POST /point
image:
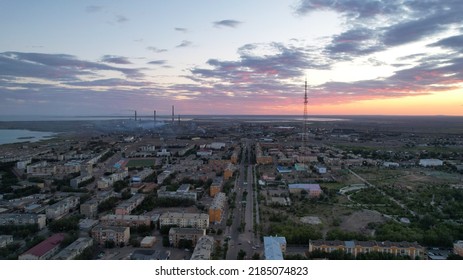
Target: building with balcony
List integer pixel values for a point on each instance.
(126, 220)
(203, 249)
(126, 207)
(413, 250)
(23, 219)
(119, 235)
(181, 219)
(61, 208)
(74, 249)
(216, 210)
(192, 234)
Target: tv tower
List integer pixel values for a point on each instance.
(305, 135)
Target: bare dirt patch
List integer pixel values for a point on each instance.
(359, 220)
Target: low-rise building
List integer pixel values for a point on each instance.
(126, 207)
(147, 242)
(274, 247)
(192, 234)
(413, 250)
(74, 249)
(217, 208)
(119, 235)
(430, 162)
(203, 249)
(313, 190)
(61, 208)
(320, 169)
(45, 249)
(23, 219)
(181, 219)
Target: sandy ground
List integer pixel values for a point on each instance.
(358, 221)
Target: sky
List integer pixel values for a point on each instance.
(209, 57)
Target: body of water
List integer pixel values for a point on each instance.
(8, 136)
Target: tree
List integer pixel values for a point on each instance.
(241, 255)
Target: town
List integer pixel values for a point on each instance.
(226, 188)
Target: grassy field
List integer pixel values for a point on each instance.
(140, 163)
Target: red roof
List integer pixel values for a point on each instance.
(45, 246)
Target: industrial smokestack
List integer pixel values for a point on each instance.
(154, 116)
(135, 115)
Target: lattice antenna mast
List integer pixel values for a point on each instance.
(304, 124)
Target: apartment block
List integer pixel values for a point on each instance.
(89, 208)
(125, 220)
(120, 235)
(74, 249)
(61, 208)
(126, 207)
(413, 250)
(177, 234)
(203, 249)
(181, 219)
(217, 208)
(216, 186)
(77, 180)
(23, 219)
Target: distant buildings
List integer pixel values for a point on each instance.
(413, 250)
(260, 157)
(45, 249)
(274, 247)
(181, 219)
(430, 162)
(23, 219)
(119, 235)
(203, 249)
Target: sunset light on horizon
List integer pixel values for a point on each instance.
(359, 57)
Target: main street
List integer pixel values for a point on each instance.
(243, 214)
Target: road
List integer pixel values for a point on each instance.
(244, 211)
